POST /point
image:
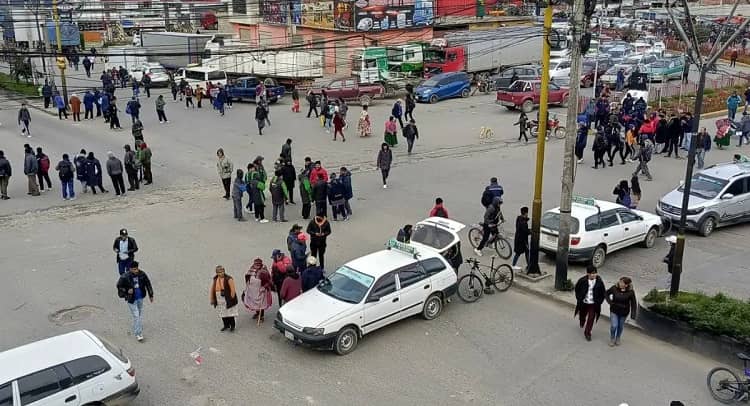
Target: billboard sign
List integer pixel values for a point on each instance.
(343, 15)
(68, 31)
(380, 15)
(317, 14)
(277, 11)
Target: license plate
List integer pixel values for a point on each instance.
(551, 239)
(507, 103)
(289, 335)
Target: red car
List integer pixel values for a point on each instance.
(525, 95)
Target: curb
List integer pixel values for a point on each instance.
(548, 296)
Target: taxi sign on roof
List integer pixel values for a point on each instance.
(588, 201)
(400, 246)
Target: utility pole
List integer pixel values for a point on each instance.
(578, 32)
(536, 208)
(61, 63)
(40, 43)
(693, 51)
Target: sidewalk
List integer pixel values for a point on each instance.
(545, 288)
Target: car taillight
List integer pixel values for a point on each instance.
(131, 372)
(149, 74)
(575, 240)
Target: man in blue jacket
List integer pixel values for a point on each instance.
(88, 105)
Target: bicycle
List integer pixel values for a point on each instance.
(729, 388)
(501, 244)
(471, 286)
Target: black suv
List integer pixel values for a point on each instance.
(522, 72)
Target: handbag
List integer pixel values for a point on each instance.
(243, 187)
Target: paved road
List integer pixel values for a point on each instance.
(507, 349)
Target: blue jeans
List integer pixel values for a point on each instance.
(124, 265)
(731, 112)
(700, 154)
(67, 189)
(136, 310)
(617, 325)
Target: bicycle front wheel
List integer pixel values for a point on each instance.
(502, 277)
(503, 247)
(724, 385)
(475, 237)
(560, 133)
(470, 288)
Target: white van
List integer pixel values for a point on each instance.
(72, 369)
(201, 75)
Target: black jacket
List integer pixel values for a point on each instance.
(582, 287)
(313, 228)
(5, 169)
(622, 303)
(320, 191)
(125, 283)
(521, 239)
(132, 248)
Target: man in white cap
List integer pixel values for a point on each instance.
(125, 248)
(669, 259)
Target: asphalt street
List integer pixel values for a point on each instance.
(506, 349)
(509, 349)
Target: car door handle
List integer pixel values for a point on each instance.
(627, 229)
(395, 299)
(426, 286)
(606, 234)
(70, 399)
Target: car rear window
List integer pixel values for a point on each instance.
(432, 236)
(551, 220)
(83, 369)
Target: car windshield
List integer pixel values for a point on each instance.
(434, 55)
(432, 236)
(517, 86)
(157, 70)
(432, 82)
(346, 285)
(616, 53)
(705, 187)
(551, 221)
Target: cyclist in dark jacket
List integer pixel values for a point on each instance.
(492, 191)
(492, 217)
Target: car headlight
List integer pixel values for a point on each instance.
(692, 212)
(426, 91)
(313, 331)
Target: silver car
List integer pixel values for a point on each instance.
(719, 196)
(158, 74)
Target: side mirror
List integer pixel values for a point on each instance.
(727, 196)
(373, 299)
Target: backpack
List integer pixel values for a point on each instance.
(127, 109)
(44, 163)
(440, 212)
(487, 198)
(80, 165)
(66, 170)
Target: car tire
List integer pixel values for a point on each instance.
(565, 101)
(651, 237)
(433, 306)
(346, 341)
(527, 106)
(599, 256)
(465, 93)
(708, 225)
(433, 99)
(365, 100)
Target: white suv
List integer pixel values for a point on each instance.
(72, 369)
(719, 196)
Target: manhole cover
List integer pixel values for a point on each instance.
(74, 314)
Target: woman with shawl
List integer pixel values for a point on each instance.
(257, 296)
(223, 297)
(364, 125)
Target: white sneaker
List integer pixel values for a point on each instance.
(580, 161)
(478, 252)
(385, 186)
(263, 221)
(139, 338)
(72, 198)
(517, 268)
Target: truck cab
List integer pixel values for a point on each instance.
(440, 58)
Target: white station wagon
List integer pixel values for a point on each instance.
(375, 290)
(598, 228)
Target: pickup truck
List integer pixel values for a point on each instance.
(526, 94)
(351, 90)
(244, 88)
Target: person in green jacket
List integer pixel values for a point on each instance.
(257, 185)
(144, 156)
(305, 192)
(279, 196)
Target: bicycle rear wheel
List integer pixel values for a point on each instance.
(560, 133)
(470, 288)
(502, 277)
(475, 237)
(724, 385)
(503, 247)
